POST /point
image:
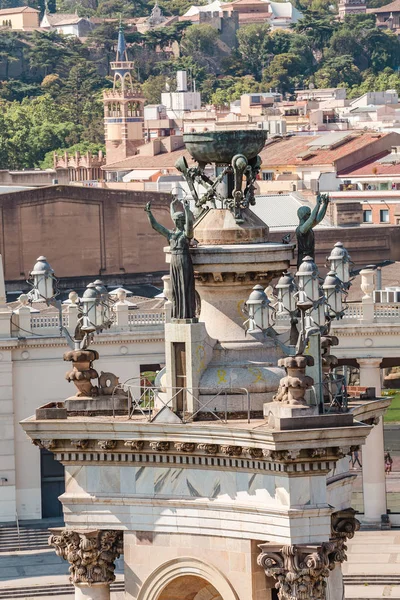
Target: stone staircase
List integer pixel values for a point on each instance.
(46, 591)
(370, 580)
(29, 538)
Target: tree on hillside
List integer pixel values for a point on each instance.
(16, 89)
(30, 129)
(254, 47)
(153, 87)
(337, 72)
(104, 38)
(200, 43)
(46, 53)
(388, 79)
(369, 46)
(282, 72)
(126, 8)
(231, 89)
(8, 48)
(200, 39)
(178, 7)
(79, 92)
(318, 27)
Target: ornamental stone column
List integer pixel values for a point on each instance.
(373, 475)
(370, 373)
(302, 571)
(91, 556)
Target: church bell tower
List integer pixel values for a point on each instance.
(123, 108)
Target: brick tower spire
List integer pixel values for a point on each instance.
(123, 108)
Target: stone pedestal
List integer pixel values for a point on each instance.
(280, 416)
(229, 260)
(373, 474)
(188, 350)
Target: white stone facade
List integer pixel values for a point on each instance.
(33, 374)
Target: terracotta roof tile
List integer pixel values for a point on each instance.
(296, 150)
(392, 7)
(63, 18)
(372, 167)
(160, 161)
(19, 9)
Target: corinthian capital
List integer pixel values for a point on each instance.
(300, 571)
(91, 554)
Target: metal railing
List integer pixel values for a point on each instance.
(336, 389)
(149, 400)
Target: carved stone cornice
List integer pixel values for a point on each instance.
(208, 448)
(231, 450)
(91, 554)
(107, 444)
(281, 455)
(159, 446)
(136, 445)
(80, 444)
(45, 444)
(253, 452)
(185, 447)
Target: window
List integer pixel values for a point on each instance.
(367, 216)
(267, 176)
(384, 216)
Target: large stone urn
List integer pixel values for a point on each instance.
(82, 372)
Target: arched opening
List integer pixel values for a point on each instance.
(190, 587)
(186, 579)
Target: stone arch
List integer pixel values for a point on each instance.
(208, 593)
(218, 586)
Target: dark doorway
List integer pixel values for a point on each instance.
(148, 374)
(52, 484)
(180, 372)
(151, 368)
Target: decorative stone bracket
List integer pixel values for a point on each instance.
(301, 570)
(91, 554)
(344, 523)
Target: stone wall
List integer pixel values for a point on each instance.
(32, 375)
(82, 231)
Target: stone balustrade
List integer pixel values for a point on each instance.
(371, 312)
(27, 323)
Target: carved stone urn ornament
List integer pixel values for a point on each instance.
(82, 372)
(293, 387)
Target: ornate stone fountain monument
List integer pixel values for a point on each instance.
(231, 256)
(211, 506)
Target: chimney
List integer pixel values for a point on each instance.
(181, 79)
